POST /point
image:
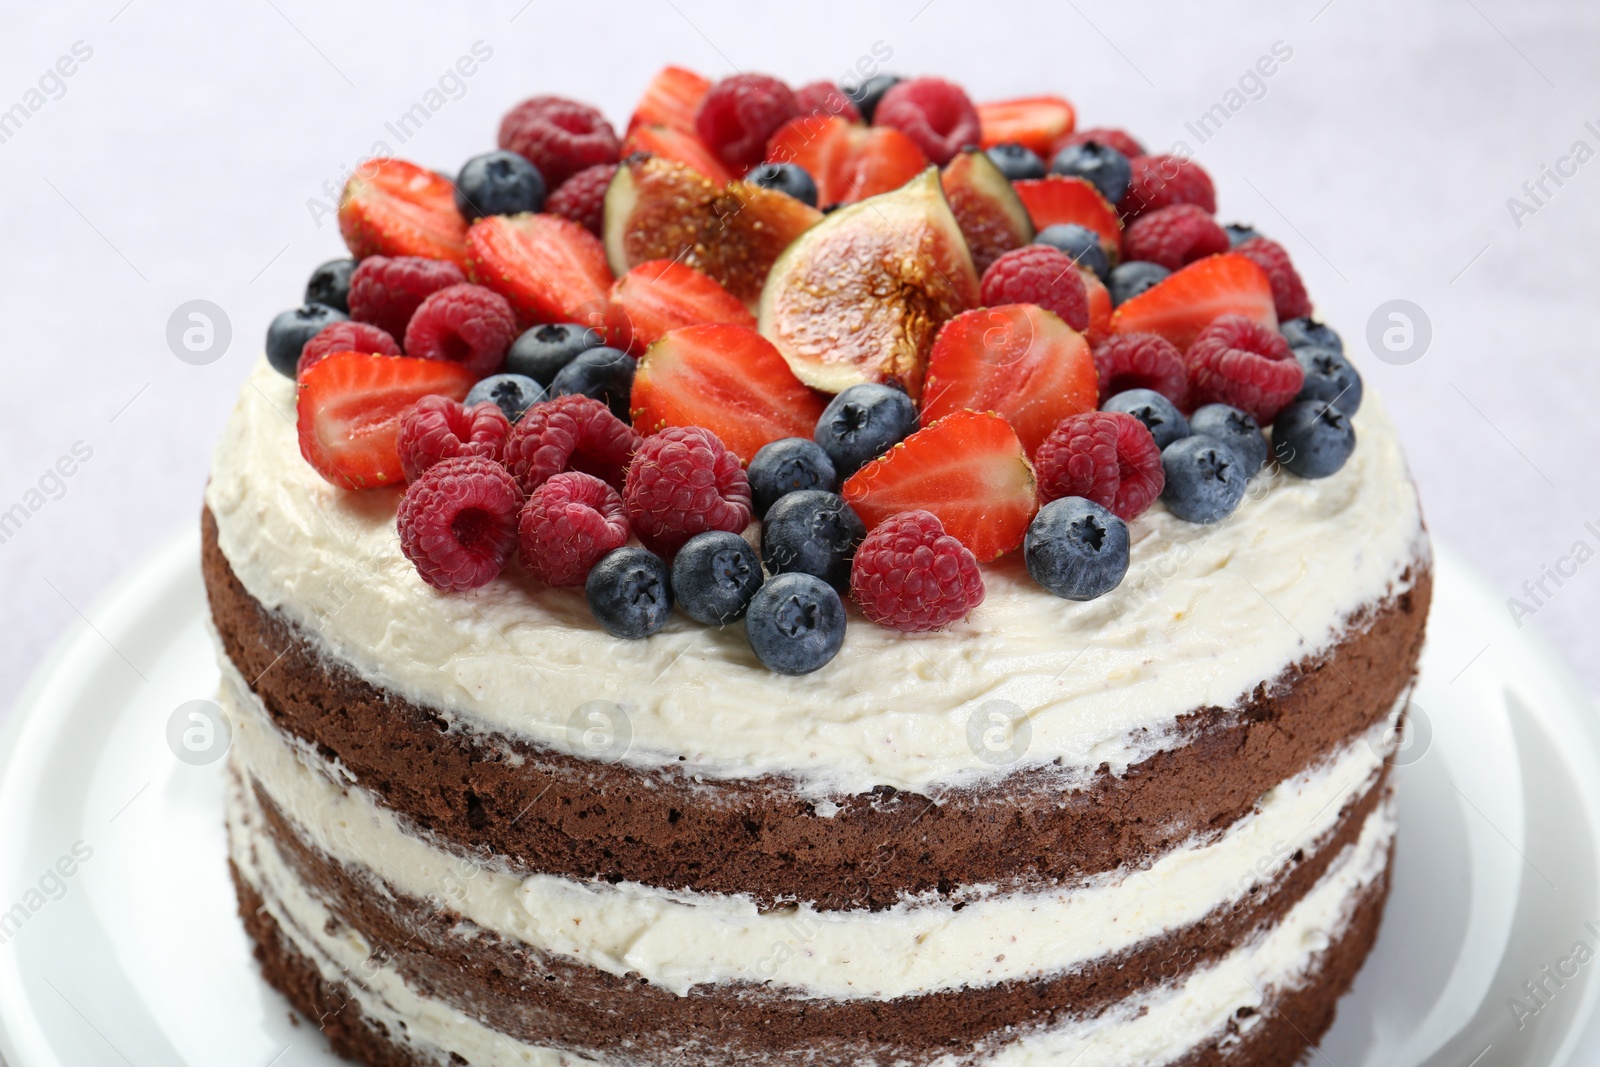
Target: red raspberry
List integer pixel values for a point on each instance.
(1238, 361)
(465, 324)
(439, 428)
(934, 113)
(582, 197)
(682, 481)
(1105, 456)
(569, 433)
(1039, 274)
(824, 98)
(1121, 140)
(909, 575)
(1288, 291)
(738, 114)
(559, 136)
(346, 337)
(386, 291)
(568, 523)
(1163, 180)
(1141, 361)
(458, 522)
(1173, 236)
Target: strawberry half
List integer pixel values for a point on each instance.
(550, 268)
(670, 100)
(1018, 360)
(968, 468)
(1179, 306)
(349, 409)
(727, 379)
(848, 161)
(678, 146)
(1057, 198)
(1035, 122)
(393, 208)
(664, 295)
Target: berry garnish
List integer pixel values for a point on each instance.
(330, 284)
(1121, 140)
(1128, 280)
(664, 142)
(560, 137)
(785, 466)
(439, 428)
(1158, 414)
(1181, 305)
(569, 433)
(387, 291)
(550, 268)
(582, 197)
(1077, 549)
(630, 593)
(1238, 361)
(1079, 244)
(866, 95)
(1108, 457)
(541, 353)
(567, 525)
(513, 394)
(812, 532)
(1205, 479)
(290, 331)
(682, 481)
(1054, 200)
(1174, 236)
(1330, 378)
(788, 178)
(458, 522)
(714, 577)
(936, 114)
(1099, 164)
(1141, 361)
(848, 161)
(739, 113)
(671, 99)
(1100, 308)
(909, 575)
(1308, 331)
(604, 374)
(1163, 180)
(824, 98)
(1234, 428)
(465, 324)
(393, 208)
(1034, 123)
(862, 423)
(663, 295)
(350, 406)
(1239, 233)
(346, 337)
(795, 624)
(1016, 161)
(1288, 291)
(1042, 275)
(1312, 439)
(498, 183)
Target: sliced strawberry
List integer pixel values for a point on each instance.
(670, 100)
(729, 380)
(968, 468)
(1016, 359)
(1179, 306)
(1056, 198)
(849, 161)
(679, 146)
(349, 410)
(664, 295)
(394, 208)
(1035, 122)
(1099, 307)
(550, 268)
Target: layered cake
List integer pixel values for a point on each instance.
(837, 575)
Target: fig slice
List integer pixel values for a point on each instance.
(989, 211)
(660, 209)
(859, 296)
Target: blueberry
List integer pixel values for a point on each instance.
(330, 284)
(543, 351)
(787, 466)
(795, 624)
(1330, 378)
(1205, 479)
(714, 577)
(1234, 428)
(513, 393)
(812, 532)
(1129, 279)
(1164, 421)
(630, 592)
(1312, 438)
(498, 183)
(1308, 331)
(788, 178)
(1239, 232)
(1100, 165)
(1076, 549)
(1016, 162)
(862, 423)
(1079, 242)
(865, 95)
(290, 331)
(605, 374)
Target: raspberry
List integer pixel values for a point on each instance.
(909, 575)
(1108, 457)
(458, 522)
(1141, 361)
(1173, 236)
(824, 98)
(1238, 361)
(934, 113)
(568, 523)
(386, 291)
(1112, 138)
(346, 337)
(682, 481)
(1039, 274)
(569, 433)
(439, 428)
(465, 324)
(1161, 181)
(738, 114)
(1288, 291)
(582, 197)
(559, 136)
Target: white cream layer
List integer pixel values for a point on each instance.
(1204, 616)
(682, 939)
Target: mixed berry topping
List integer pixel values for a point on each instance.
(910, 575)
(458, 522)
(569, 523)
